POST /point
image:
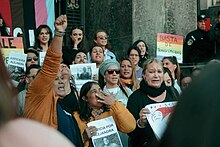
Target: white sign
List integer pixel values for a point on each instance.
(159, 116)
(42, 56)
(17, 59)
(82, 73)
(107, 134)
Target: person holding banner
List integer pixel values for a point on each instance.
(96, 104)
(152, 90)
(43, 99)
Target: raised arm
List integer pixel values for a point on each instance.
(60, 27)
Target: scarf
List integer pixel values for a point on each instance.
(125, 82)
(154, 92)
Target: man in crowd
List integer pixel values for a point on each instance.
(198, 46)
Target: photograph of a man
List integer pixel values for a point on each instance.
(85, 75)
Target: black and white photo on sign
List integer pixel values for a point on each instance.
(16, 65)
(82, 73)
(107, 134)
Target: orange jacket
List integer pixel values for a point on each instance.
(41, 100)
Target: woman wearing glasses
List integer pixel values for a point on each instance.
(101, 39)
(152, 90)
(96, 104)
(110, 70)
(134, 53)
(32, 57)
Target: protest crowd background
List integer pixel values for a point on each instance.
(79, 92)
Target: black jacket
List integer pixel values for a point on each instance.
(198, 47)
(138, 100)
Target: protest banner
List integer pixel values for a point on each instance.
(107, 134)
(170, 45)
(11, 44)
(159, 116)
(82, 73)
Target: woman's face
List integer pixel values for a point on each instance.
(112, 75)
(153, 75)
(31, 59)
(134, 56)
(169, 65)
(167, 79)
(101, 39)
(91, 97)
(126, 69)
(80, 58)
(44, 36)
(142, 47)
(77, 35)
(97, 54)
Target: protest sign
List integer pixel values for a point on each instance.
(170, 45)
(159, 116)
(82, 73)
(11, 44)
(107, 134)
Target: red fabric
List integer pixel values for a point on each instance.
(5, 11)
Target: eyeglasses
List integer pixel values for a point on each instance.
(134, 55)
(102, 37)
(112, 71)
(35, 58)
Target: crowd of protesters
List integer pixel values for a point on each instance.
(48, 93)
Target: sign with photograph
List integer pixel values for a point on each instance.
(170, 45)
(107, 134)
(159, 116)
(83, 73)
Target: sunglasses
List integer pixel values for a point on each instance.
(112, 71)
(35, 58)
(103, 37)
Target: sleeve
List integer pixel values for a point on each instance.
(187, 46)
(135, 104)
(123, 118)
(43, 83)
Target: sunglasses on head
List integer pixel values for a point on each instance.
(35, 58)
(112, 71)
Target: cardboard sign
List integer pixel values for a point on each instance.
(170, 45)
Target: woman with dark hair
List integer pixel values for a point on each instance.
(169, 81)
(94, 105)
(75, 44)
(101, 39)
(3, 29)
(128, 74)
(134, 53)
(141, 44)
(172, 64)
(43, 38)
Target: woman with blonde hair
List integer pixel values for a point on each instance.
(128, 74)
